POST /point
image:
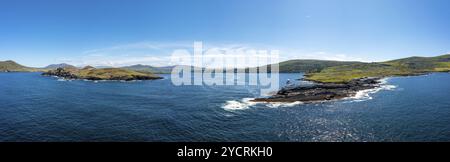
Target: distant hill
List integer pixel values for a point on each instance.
(309, 66)
(62, 65)
(11, 66)
(400, 67)
(103, 67)
(423, 64)
(150, 69)
(291, 66)
(302, 66)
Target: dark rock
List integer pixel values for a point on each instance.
(60, 72)
(322, 91)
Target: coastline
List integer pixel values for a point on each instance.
(330, 91)
(362, 95)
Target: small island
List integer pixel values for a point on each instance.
(91, 73)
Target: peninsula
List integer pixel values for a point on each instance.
(337, 82)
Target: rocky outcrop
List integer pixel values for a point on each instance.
(322, 91)
(61, 72)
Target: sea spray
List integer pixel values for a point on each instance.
(283, 104)
(364, 95)
(247, 103)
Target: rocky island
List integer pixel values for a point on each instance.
(322, 91)
(91, 73)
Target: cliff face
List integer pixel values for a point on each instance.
(91, 73)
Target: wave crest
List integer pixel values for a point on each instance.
(364, 95)
(245, 103)
(283, 104)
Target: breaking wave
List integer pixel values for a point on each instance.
(364, 95)
(64, 80)
(246, 103)
(283, 104)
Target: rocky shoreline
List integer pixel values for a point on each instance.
(322, 91)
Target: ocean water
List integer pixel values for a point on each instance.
(37, 108)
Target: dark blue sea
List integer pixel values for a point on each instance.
(37, 108)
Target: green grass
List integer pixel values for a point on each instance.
(111, 74)
(150, 69)
(443, 67)
(309, 66)
(400, 67)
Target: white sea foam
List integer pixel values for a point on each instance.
(245, 103)
(60, 79)
(283, 104)
(364, 95)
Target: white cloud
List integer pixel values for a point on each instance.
(158, 54)
(139, 46)
(148, 53)
(320, 55)
(117, 61)
(337, 57)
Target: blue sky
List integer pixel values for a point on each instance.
(118, 32)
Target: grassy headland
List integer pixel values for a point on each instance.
(150, 69)
(310, 66)
(400, 67)
(91, 73)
